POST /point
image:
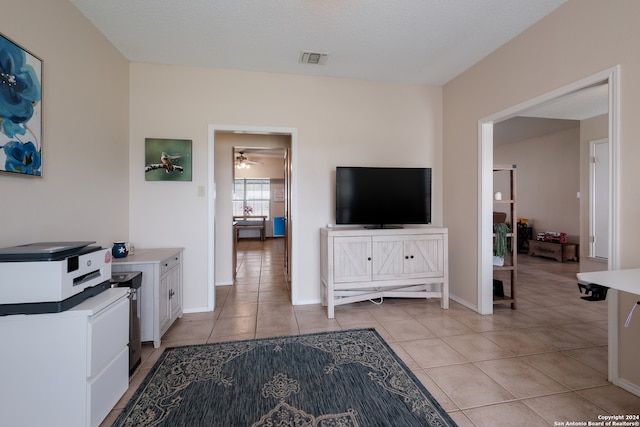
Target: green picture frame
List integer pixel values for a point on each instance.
(168, 159)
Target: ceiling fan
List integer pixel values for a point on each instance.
(242, 162)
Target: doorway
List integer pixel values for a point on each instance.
(220, 232)
(485, 273)
(611, 77)
(261, 182)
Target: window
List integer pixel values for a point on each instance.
(251, 196)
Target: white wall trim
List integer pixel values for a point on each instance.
(592, 199)
(463, 302)
(630, 387)
(212, 129)
(195, 310)
(485, 179)
(485, 228)
(614, 219)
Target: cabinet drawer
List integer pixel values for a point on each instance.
(104, 391)
(108, 334)
(169, 263)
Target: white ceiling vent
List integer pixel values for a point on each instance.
(316, 58)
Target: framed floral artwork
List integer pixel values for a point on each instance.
(167, 159)
(20, 110)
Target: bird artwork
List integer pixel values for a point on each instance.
(166, 163)
(167, 159)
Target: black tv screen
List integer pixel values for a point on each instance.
(382, 196)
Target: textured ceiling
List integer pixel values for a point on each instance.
(408, 41)
(583, 104)
(553, 116)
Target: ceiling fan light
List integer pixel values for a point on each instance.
(242, 163)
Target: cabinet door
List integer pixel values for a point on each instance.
(408, 256)
(388, 257)
(424, 256)
(163, 302)
(351, 259)
(175, 294)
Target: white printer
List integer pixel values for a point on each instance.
(50, 277)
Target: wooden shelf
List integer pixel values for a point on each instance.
(503, 300)
(511, 260)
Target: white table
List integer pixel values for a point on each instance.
(627, 280)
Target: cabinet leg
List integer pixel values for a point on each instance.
(444, 299)
(330, 309)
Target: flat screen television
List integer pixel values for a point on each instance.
(383, 197)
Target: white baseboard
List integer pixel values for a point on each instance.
(308, 302)
(224, 283)
(196, 310)
(464, 302)
(630, 387)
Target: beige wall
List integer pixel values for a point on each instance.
(579, 39)
(548, 178)
(338, 122)
(83, 194)
(271, 167)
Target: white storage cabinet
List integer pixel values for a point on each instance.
(65, 369)
(161, 289)
(358, 264)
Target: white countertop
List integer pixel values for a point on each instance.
(627, 280)
(156, 255)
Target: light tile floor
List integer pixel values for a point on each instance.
(543, 363)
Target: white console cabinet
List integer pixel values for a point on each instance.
(359, 264)
(161, 289)
(65, 369)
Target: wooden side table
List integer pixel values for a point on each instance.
(561, 252)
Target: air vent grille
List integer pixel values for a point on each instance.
(315, 58)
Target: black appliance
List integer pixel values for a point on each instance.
(133, 281)
(383, 196)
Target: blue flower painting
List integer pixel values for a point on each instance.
(20, 110)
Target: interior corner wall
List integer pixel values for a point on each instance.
(83, 193)
(579, 39)
(548, 179)
(338, 122)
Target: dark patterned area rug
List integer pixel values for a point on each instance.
(343, 378)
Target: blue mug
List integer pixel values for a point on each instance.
(119, 250)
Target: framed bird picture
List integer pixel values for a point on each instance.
(167, 159)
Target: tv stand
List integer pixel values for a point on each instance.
(359, 264)
(383, 227)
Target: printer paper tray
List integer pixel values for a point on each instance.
(53, 306)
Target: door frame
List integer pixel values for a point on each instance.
(211, 196)
(485, 200)
(593, 192)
